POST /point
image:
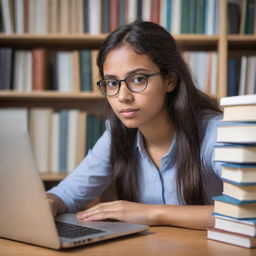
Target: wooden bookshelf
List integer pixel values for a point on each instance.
(90, 101)
(222, 43)
(53, 176)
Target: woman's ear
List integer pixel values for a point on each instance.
(171, 82)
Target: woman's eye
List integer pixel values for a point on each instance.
(139, 79)
(112, 83)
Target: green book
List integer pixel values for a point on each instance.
(85, 70)
(200, 17)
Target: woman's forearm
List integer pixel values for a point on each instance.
(187, 216)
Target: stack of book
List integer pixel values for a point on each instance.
(235, 209)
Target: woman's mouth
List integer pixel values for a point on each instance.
(128, 112)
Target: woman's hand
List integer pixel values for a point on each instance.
(122, 211)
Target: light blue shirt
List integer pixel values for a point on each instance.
(156, 186)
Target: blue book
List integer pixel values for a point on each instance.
(235, 208)
(168, 14)
(63, 140)
(235, 153)
(242, 226)
(236, 132)
(240, 183)
(233, 201)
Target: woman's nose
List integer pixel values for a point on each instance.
(124, 93)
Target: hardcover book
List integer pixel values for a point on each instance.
(235, 208)
(240, 191)
(235, 153)
(236, 132)
(245, 227)
(240, 173)
(231, 238)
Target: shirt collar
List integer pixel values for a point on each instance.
(143, 152)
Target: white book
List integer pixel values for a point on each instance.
(7, 17)
(243, 79)
(231, 238)
(238, 100)
(27, 74)
(40, 127)
(201, 67)
(19, 17)
(163, 13)
(146, 10)
(32, 16)
(246, 227)
(236, 132)
(72, 140)
(94, 16)
(64, 17)
(41, 19)
(235, 154)
(55, 151)
(240, 173)
(64, 71)
(132, 11)
(18, 71)
(176, 17)
(53, 16)
(214, 74)
(209, 24)
(251, 74)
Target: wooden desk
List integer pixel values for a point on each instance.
(158, 241)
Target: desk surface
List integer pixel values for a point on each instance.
(158, 241)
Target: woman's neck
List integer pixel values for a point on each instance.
(159, 134)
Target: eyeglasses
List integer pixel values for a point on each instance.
(135, 83)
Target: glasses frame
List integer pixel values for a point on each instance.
(126, 83)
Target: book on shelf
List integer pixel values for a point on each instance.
(236, 132)
(240, 173)
(85, 70)
(240, 209)
(22, 73)
(76, 71)
(40, 131)
(246, 227)
(113, 15)
(234, 66)
(233, 18)
(6, 68)
(235, 153)
(97, 16)
(39, 69)
(231, 238)
(240, 191)
(63, 140)
(7, 9)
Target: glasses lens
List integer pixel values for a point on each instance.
(109, 87)
(137, 83)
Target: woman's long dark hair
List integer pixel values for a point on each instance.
(186, 105)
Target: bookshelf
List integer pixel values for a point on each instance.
(223, 43)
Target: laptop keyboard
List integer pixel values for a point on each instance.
(68, 230)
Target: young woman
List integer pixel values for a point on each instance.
(159, 138)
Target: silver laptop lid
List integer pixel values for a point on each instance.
(25, 213)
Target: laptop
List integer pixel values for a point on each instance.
(25, 214)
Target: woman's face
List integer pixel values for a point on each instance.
(136, 109)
